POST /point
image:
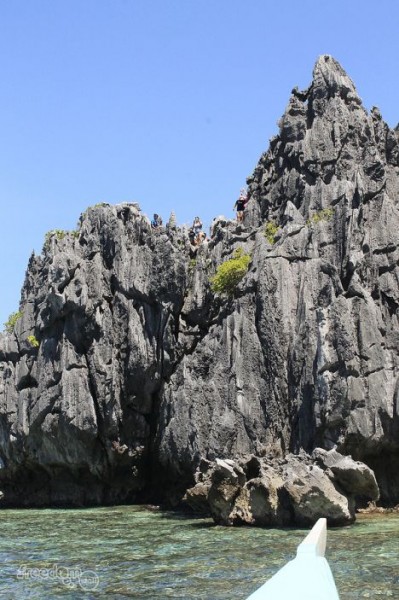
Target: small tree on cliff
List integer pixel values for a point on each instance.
(229, 273)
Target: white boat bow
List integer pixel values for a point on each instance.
(307, 577)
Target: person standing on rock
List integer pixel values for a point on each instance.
(197, 225)
(240, 204)
(197, 228)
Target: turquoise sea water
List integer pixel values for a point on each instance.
(131, 552)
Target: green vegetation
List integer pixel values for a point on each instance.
(229, 273)
(192, 264)
(58, 233)
(33, 341)
(322, 215)
(271, 230)
(12, 319)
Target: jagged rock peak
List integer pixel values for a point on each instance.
(329, 148)
(330, 79)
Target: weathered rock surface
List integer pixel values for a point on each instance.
(354, 477)
(142, 373)
(279, 492)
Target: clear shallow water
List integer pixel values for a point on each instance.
(131, 552)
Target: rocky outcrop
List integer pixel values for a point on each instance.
(332, 177)
(141, 372)
(274, 492)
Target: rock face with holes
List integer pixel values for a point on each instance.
(142, 372)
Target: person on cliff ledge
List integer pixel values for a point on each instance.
(201, 238)
(240, 205)
(156, 222)
(197, 226)
(191, 236)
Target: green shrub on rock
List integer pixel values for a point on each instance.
(12, 319)
(229, 273)
(322, 215)
(271, 230)
(33, 341)
(58, 233)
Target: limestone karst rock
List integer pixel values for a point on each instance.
(141, 372)
(294, 489)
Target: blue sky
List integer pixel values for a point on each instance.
(166, 102)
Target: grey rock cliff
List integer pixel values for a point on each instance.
(142, 372)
